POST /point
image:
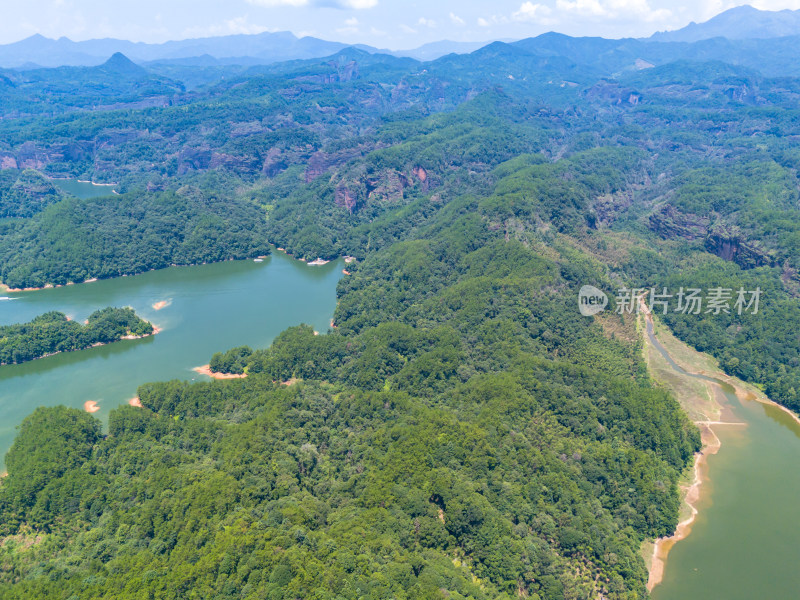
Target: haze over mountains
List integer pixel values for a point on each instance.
(740, 23)
(262, 48)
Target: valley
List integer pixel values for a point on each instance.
(373, 377)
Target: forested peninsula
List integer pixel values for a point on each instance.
(54, 332)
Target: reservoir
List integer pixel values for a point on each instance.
(743, 543)
(206, 309)
(83, 189)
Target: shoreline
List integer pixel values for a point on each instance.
(48, 286)
(692, 494)
(78, 180)
(92, 182)
(749, 393)
(711, 444)
(745, 391)
(156, 330)
(206, 370)
(318, 261)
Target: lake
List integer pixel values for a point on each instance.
(743, 543)
(83, 189)
(210, 308)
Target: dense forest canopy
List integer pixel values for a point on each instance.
(462, 432)
(53, 332)
(460, 417)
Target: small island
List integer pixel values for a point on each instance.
(54, 332)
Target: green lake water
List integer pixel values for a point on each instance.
(211, 308)
(83, 189)
(745, 541)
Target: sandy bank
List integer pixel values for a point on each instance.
(206, 370)
(47, 286)
(749, 393)
(691, 496)
(162, 304)
(135, 402)
(91, 406)
(318, 261)
(29, 289)
(91, 182)
(156, 330)
(707, 413)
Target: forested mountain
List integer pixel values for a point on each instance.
(117, 83)
(453, 434)
(462, 432)
(75, 240)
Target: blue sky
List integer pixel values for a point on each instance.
(393, 24)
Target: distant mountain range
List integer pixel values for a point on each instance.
(741, 27)
(262, 48)
(739, 23)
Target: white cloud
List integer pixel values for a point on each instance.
(537, 13)
(582, 7)
(355, 4)
(456, 20)
(426, 22)
(229, 27)
(406, 29)
(771, 4)
(351, 26)
(613, 9)
(241, 25)
(270, 3)
(493, 20)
